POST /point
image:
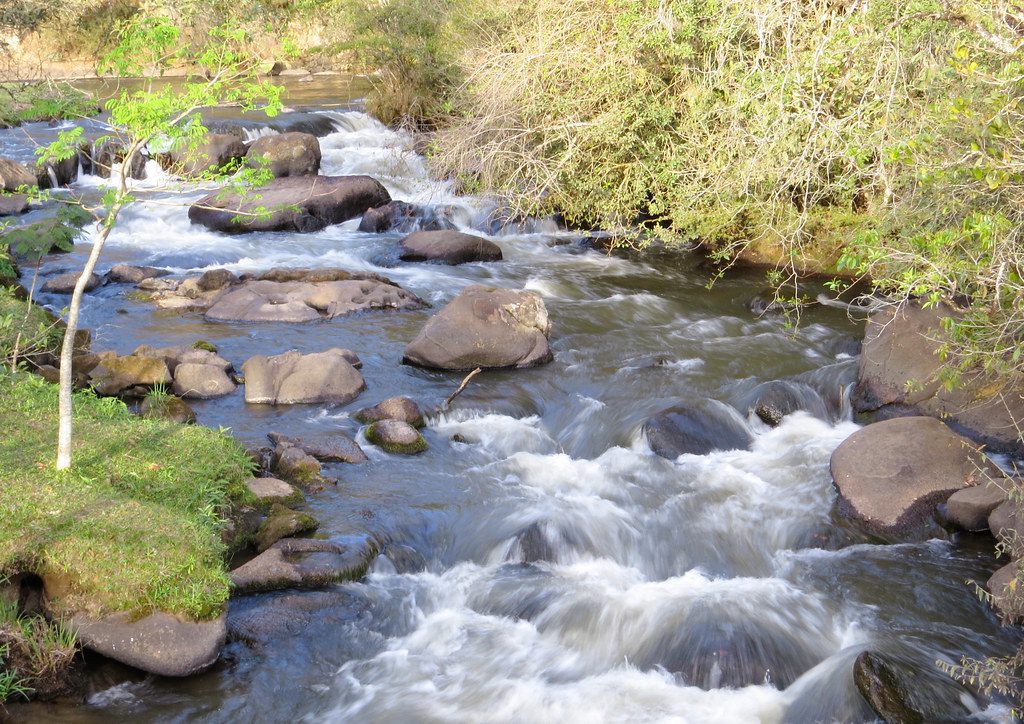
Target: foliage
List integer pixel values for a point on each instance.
(27, 331)
(42, 101)
(33, 241)
(34, 653)
(135, 525)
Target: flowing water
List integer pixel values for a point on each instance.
(539, 562)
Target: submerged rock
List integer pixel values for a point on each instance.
(329, 447)
(258, 620)
(296, 203)
(286, 154)
(484, 327)
(294, 378)
(892, 474)
(159, 643)
(775, 399)
(397, 437)
(393, 408)
(696, 431)
(448, 247)
(882, 688)
(303, 563)
(65, 283)
(401, 216)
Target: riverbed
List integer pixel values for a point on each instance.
(539, 562)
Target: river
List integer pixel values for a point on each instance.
(545, 565)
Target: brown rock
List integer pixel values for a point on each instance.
(294, 378)
(1003, 521)
(115, 375)
(448, 247)
(286, 154)
(65, 283)
(14, 175)
(393, 408)
(969, 508)
(1007, 596)
(201, 381)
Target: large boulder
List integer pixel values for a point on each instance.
(101, 159)
(13, 204)
(884, 690)
(696, 430)
(334, 447)
(52, 174)
(900, 368)
(296, 203)
(1007, 599)
(14, 175)
(393, 408)
(212, 153)
(286, 154)
(484, 327)
(159, 643)
(892, 474)
(65, 283)
(303, 563)
(120, 375)
(448, 247)
(401, 216)
(1004, 523)
(294, 378)
(197, 381)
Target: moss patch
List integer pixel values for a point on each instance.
(135, 525)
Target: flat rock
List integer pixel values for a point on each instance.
(268, 491)
(13, 175)
(65, 283)
(448, 247)
(160, 644)
(116, 375)
(129, 274)
(395, 436)
(286, 154)
(258, 620)
(969, 508)
(1007, 601)
(333, 447)
(696, 430)
(295, 378)
(13, 204)
(303, 563)
(393, 408)
(295, 203)
(484, 327)
(1003, 521)
(196, 381)
(281, 523)
(892, 474)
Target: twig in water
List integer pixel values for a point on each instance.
(465, 381)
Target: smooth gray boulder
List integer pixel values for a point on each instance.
(969, 508)
(129, 274)
(294, 378)
(448, 247)
(393, 408)
(333, 447)
(484, 327)
(296, 203)
(65, 283)
(286, 154)
(198, 381)
(1003, 521)
(891, 475)
(159, 643)
(696, 430)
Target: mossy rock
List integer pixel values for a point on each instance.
(394, 408)
(167, 407)
(396, 437)
(281, 523)
(204, 345)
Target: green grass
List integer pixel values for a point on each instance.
(35, 654)
(43, 101)
(135, 525)
(31, 331)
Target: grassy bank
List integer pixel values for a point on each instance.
(43, 101)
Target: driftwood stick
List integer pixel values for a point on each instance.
(465, 381)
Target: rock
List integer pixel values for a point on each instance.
(13, 205)
(303, 563)
(212, 153)
(533, 544)
(1003, 523)
(696, 430)
(882, 689)
(773, 400)
(336, 447)
(1007, 600)
(100, 160)
(55, 174)
(159, 644)
(181, 354)
(294, 378)
(286, 154)
(395, 436)
(969, 508)
(128, 274)
(293, 464)
(269, 301)
(401, 216)
(448, 247)
(393, 408)
(484, 327)
(298, 203)
(900, 367)
(167, 407)
(201, 381)
(116, 375)
(14, 175)
(215, 279)
(65, 283)
(281, 523)
(892, 474)
(257, 620)
(271, 490)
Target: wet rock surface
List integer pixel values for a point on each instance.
(213, 152)
(970, 508)
(393, 408)
(448, 247)
(281, 523)
(258, 620)
(397, 437)
(696, 430)
(129, 274)
(303, 563)
(286, 154)
(328, 447)
(65, 283)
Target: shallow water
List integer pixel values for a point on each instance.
(550, 567)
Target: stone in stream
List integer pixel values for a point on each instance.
(295, 203)
(1003, 523)
(401, 216)
(129, 274)
(892, 474)
(295, 378)
(198, 381)
(117, 375)
(1006, 600)
(448, 247)
(268, 491)
(697, 430)
(303, 563)
(212, 153)
(181, 354)
(293, 464)
(159, 643)
(13, 204)
(484, 327)
(167, 407)
(884, 690)
(900, 369)
(215, 279)
(100, 159)
(393, 408)
(397, 437)
(257, 620)
(281, 523)
(65, 283)
(14, 175)
(52, 174)
(773, 400)
(286, 154)
(969, 508)
(334, 447)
